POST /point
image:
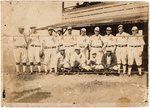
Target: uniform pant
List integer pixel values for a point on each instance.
(121, 53)
(63, 65)
(98, 52)
(113, 68)
(134, 53)
(33, 54)
(20, 55)
(93, 67)
(49, 55)
(85, 53)
(69, 51)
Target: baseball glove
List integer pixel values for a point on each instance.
(41, 54)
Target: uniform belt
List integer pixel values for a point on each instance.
(110, 46)
(82, 46)
(70, 46)
(135, 46)
(20, 47)
(35, 45)
(122, 45)
(47, 47)
(96, 46)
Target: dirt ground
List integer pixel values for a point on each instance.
(70, 90)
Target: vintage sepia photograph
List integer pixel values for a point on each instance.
(74, 53)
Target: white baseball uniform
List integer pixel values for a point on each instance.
(110, 42)
(96, 47)
(34, 48)
(135, 49)
(49, 45)
(83, 42)
(20, 51)
(121, 51)
(69, 44)
(80, 58)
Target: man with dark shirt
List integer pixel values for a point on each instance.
(109, 61)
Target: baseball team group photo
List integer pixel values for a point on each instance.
(75, 53)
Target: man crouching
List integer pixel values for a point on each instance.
(61, 62)
(94, 64)
(77, 61)
(109, 62)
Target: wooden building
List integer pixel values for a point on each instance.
(104, 14)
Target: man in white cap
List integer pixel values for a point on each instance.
(61, 61)
(35, 47)
(109, 40)
(93, 63)
(121, 50)
(60, 38)
(96, 44)
(77, 60)
(135, 50)
(83, 43)
(69, 42)
(49, 46)
(20, 49)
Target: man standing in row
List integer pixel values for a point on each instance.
(96, 45)
(83, 42)
(121, 51)
(109, 40)
(69, 42)
(135, 50)
(20, 49)
(35, 47)
(49, 46)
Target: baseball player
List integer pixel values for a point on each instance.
(96, 45)
(109, 40)
(20, 49)
(35, 47)
(121, 50)
(83, 43)
(49, 46)
(93, 63)
(77, 60)
(69, 42)
(60, 39)
(135, 49)
(61, 61)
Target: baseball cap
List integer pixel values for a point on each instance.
(93, 53)
(134, 28)
(77, 48)
(108, 28)
(33, 27)
(50, 28)
(62, 48)
(83, 29)
(59, 29)
(97, 29)
(120, 26)
(69, 27)
(21, 27)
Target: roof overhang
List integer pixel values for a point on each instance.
(126, 19)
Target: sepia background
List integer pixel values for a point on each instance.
(71, 90)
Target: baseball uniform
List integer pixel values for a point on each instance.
(121, 51)
(96, 47)
(20, 50)
(110, 42)
(135, 49)
(83, 42)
